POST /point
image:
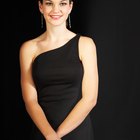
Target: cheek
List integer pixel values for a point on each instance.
(66, 10)
(47, 10)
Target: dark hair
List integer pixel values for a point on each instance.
(42, 1)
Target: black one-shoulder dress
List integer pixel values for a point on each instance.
(57, 75)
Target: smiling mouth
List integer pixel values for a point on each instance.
(55, 17)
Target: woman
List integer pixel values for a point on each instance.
(59, 77)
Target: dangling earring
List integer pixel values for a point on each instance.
(69, 21)
(42, 21)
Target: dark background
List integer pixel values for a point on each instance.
(114, 26)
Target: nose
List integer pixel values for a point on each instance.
(56, 8)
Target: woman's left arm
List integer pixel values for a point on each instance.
(87, 51)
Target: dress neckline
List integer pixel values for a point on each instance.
(55, 49)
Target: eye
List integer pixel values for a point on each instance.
(48, 3)
(63, 3)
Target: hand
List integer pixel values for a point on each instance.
(59, 134)
(53, 137)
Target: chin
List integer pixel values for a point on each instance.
(57, 22)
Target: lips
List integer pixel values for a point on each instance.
(55, 16)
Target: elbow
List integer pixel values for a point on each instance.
(91, 102)
(30, 104)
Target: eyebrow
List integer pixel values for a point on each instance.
(63, 0)
(60, 1)
(47, 0)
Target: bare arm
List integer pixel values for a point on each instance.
(29, 94)
(89, 89)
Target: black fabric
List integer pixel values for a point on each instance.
(58, 77)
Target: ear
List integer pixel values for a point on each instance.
(40, 7)
(70, 6)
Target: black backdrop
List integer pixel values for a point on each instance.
(114, 26)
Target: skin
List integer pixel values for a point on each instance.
(57, 35)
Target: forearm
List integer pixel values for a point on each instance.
(76, 117)
(37, 115)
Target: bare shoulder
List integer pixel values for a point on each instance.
(28, 49)
(87, 46)
(87, 42)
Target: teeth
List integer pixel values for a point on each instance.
(56, 17)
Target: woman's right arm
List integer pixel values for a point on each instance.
(29, 93)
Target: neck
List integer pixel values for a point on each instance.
(56, 32)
